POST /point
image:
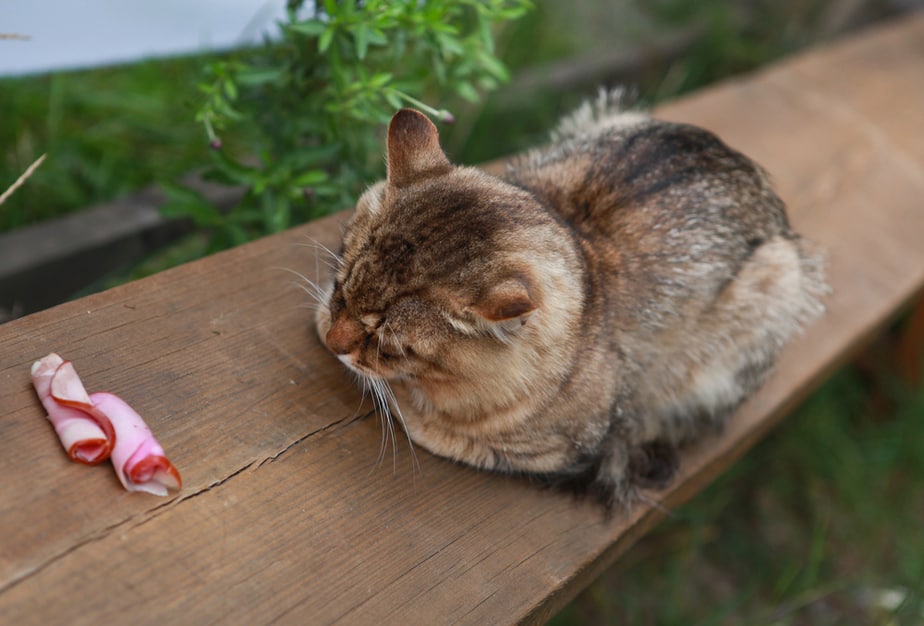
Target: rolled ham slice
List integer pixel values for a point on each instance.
(138, 459)
(85, 432)
(99, 426)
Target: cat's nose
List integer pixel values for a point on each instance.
(344, 336)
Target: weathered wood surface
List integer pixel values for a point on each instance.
(285, 515)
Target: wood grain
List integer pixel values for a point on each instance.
(286, 515)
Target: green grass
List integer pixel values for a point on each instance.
(107, 132)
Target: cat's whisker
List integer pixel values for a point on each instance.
(318, 246)
(317, 263)
(394, 402)
(331, 261)
(362, 398)
(316, 289)
(391, 427)
(386, 405)
(368, 385)
(367, 389)
(387, 422)
(332, 267)
(313, 289)
(381, 387)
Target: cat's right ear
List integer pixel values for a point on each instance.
(413, 148)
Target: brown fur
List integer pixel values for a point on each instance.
(615, 295)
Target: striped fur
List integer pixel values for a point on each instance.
(615, 295)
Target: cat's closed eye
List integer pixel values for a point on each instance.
(388, 353)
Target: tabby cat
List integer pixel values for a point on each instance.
(615, 295)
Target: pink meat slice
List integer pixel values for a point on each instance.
(86, 433)
(138, 459)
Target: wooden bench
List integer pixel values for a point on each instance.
(285, 515)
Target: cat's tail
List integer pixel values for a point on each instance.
(612, 108)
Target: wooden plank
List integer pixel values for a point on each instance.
(285, 514)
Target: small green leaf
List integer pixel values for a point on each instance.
(230, 89)
(393, 99)
(484, 28)
(327, 190)
(439, 68)
(324, 42)
(380, 80)
(312, 27)
(486, 83)
(361, 40)
(311, 178)
(449, 44)
(253, 77)
(377, 37)
(178, 194)
(240, 174)
(215, 175)
(225, 110)
(466, 90)
(494, 67)
(276, 213)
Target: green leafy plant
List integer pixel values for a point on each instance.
(296, 122)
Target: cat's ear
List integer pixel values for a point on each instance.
(507, 303)
(413, 148)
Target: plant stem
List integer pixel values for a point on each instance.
(22, 179)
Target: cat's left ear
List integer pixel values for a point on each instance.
(507, 304)
(413, 148)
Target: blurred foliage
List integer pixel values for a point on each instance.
(309, 103)
(295, 122)
(735, 37)
(107, 132)
(110, 131)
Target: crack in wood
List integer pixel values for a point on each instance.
(156, 511)
(342, 421)
(95, 537)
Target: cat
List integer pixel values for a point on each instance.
(614, 296)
